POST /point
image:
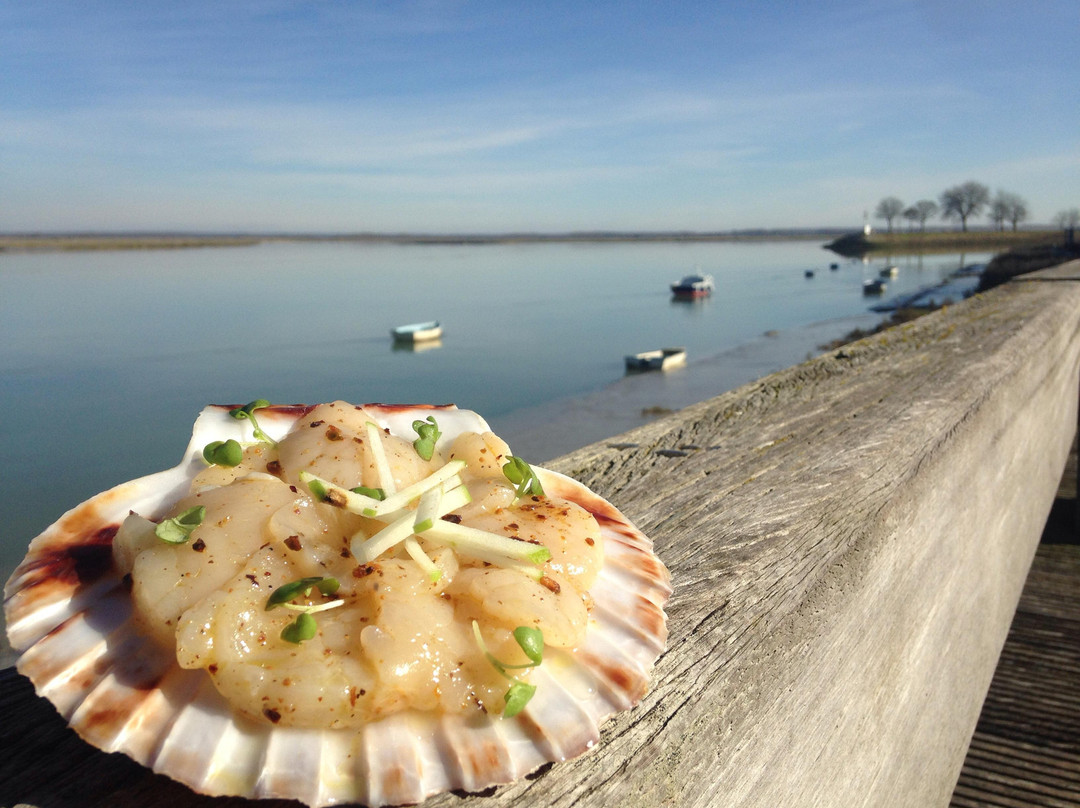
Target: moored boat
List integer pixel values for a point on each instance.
(873, 287)
(889, 272)
(417, 332)
(693, 286)
(662, 359)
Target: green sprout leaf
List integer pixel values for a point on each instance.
(286, 592)
(247, 412)
(517, 697)
(531, 641)
(302, 628)
(223, 453)
(429, 433)
(178, 529)
(525, 481)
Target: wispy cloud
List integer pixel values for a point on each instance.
(588, 110)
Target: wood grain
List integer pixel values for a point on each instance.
(848, 540)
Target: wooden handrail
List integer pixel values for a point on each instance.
(848, 539)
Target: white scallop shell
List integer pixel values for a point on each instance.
(68, 612)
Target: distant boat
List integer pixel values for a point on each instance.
(693, 286)
(889, 272)
(809, 273)
(417, 332)
(873, 287)
(834, 266)
(662, 359)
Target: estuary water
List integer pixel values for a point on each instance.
(107, 357)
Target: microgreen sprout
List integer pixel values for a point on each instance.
(304, 626)
(523, 477)
(429, 433)
(223, 453)
(531, 642)
(248, 412)
(179, 529)
(287, 592)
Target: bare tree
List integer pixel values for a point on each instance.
(964, 201)
(912, 215)
(888, 209)
(1008, 207)
(999, 211)
(925, 208)
(1018, 211)
(1068, 218)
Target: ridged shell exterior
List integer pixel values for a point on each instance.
(69, 613)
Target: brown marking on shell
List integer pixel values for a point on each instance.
(105, 714)
(78, 563)
(480, 759)
(624, 685)
(405, 407)
(292, 411)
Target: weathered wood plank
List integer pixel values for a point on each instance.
(848, 540)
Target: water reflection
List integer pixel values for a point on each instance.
(414, 347)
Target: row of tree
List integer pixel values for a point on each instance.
(964, 202)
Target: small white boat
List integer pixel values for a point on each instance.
(889, 272)
(693, 286)
(873, 287)
(417, 332)
(662, 359)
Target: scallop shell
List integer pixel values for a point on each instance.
(69, 613)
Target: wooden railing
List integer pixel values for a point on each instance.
(848, 540)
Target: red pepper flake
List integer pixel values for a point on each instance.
(590, 541)
(252, 578)
(512, 526)
(273, 715)
(363, 571)
(550, 584)
(274, 467)
(316, 424)
(333, 433)
(198, 545)
(212, 668)
(452, 517)
(293, 542)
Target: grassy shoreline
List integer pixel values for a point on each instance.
(858, 244)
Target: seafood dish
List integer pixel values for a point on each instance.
(341, 604)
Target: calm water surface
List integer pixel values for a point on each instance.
(106, 358)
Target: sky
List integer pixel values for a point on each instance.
(448, 116)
